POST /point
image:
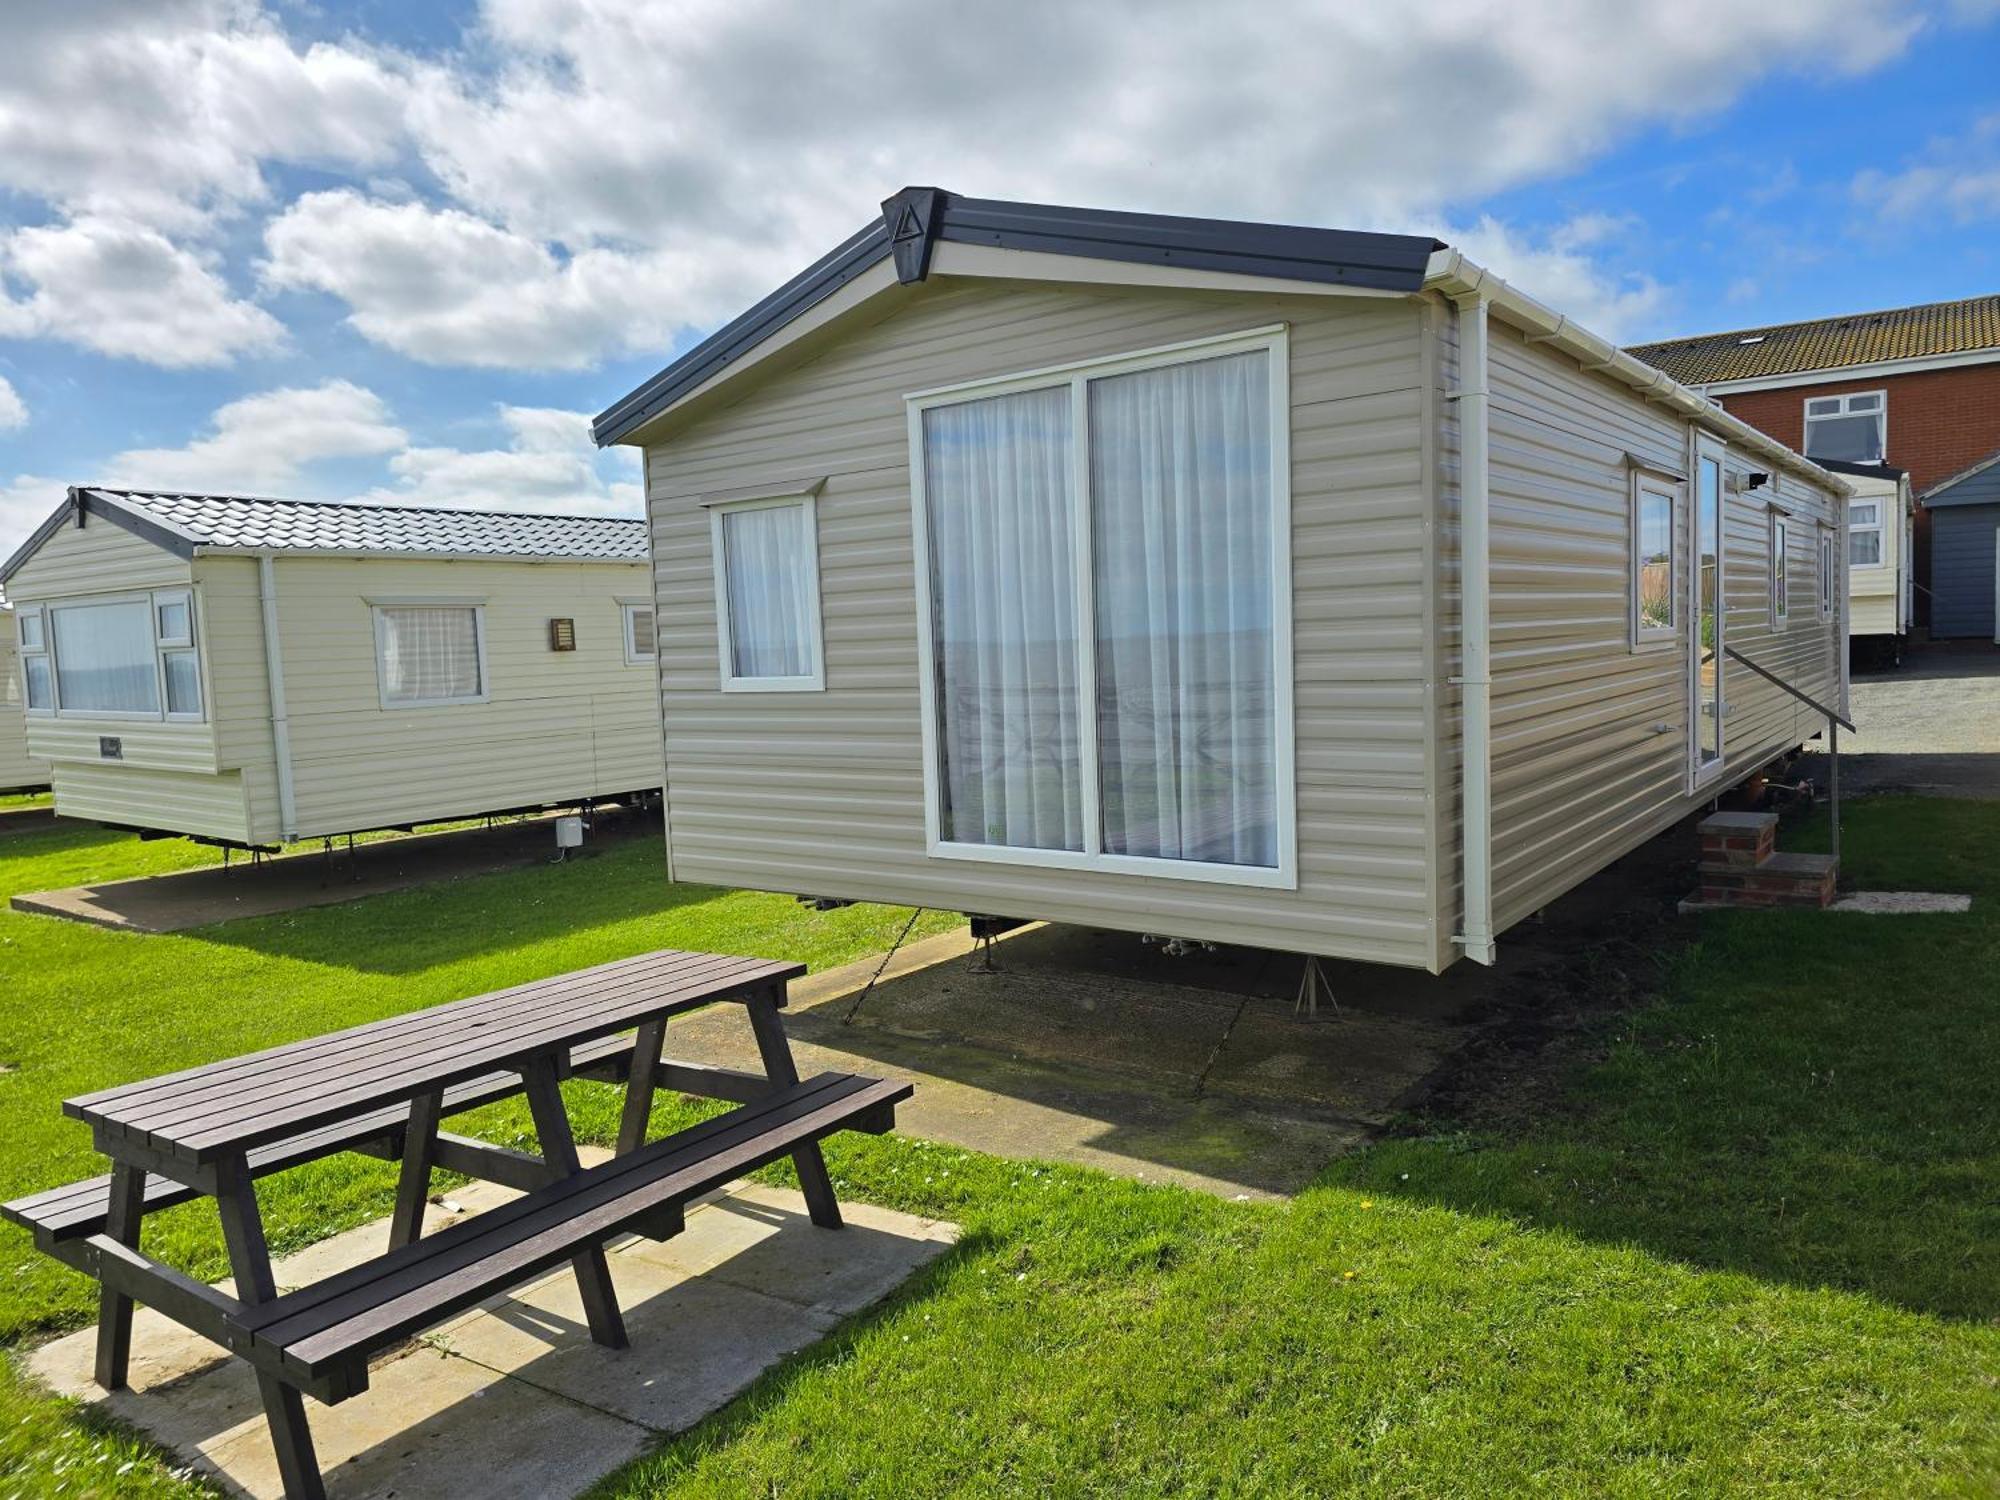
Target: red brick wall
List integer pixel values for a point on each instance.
(1940, 421)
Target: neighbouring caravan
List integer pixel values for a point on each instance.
(19, 772)
(1288, 587)
(1881, 594)
(254, 672)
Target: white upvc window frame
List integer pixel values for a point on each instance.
(37, 652)
(811, 682)
(377, 604)
(1274, 340)
(1827, 579)
(1779, 538)
(1707, 448)
(1880, 411)
(1879, 527)
(1652, 637)
(634, 657)
(42, 612)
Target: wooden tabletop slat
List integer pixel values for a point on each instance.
(202, 1113)
(223, 1088)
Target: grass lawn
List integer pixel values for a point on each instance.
(1751, 1247)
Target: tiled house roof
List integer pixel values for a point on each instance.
(1934, 328)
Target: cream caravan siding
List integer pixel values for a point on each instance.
(137, 796)
(17, 767)
(1590, 737)
(1875, 594)
(104, 558)
(822, 792)
(558, 725)
(236, 686)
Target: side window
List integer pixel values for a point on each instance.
(1651, 581)
(767, 595)
(429, 655)
(1828, 573)
(1864, 533)
(38, 682)
(640, 645)
(1781, 558)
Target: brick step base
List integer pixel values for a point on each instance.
(1781, 880)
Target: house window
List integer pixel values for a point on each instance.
(767, 595)
(430, 654)
(1828, 573)
(1652, 581)
(1864, 533)
(640, 645)
(1853, 428)
(1781, 556)
(129, 657)
(1107, 627)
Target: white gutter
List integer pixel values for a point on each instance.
(274, 673)
(1475, 618)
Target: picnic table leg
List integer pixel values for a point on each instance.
(776, 1050)
(593, 1275)
(250, 1263)
(114, 1309)
(413, 1183)
(646, 1048)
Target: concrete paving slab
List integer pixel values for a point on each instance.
(293, 882)
(512, 1399)
(1902, 903)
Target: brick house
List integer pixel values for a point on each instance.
(1914, 387)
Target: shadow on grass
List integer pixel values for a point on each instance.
(1814, 1101)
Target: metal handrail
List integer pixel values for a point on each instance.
(1834, 723)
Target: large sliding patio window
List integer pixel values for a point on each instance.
(1107, 628)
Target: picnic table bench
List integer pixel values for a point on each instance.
(382, 1089)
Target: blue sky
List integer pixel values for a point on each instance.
(403, 252)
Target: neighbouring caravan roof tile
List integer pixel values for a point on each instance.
(261, 524)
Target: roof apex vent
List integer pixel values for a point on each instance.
(912, 218)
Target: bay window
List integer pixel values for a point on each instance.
(1106, 620)
(132, 656)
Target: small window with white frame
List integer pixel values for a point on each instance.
(1651, 584)
(1829, 573)
(1853, 428)
(767, 606)
(124, 656)
(1781, 559)
(641, 643)
(430, 653)
(1864, 533)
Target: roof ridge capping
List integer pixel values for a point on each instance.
(1829, 319)
(915, 220)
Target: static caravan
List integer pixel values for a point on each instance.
(19, 771)
(1965, 553)
(1881, 558)
(1288, 587)
(253, 672)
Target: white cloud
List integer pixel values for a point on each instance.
(447, 288)
(124, 289)
(163, 111)
(13, 410)
(549, 464)
(1560, 270)
(265, 444)
(1956, 179)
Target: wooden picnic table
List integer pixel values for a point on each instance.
(383, 1088)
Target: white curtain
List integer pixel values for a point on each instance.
(1180, 463)
(430, 652)
(767, 561)
(104, 657)
(1002, 517)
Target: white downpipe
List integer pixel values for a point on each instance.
(1475, 680)
(274, 674)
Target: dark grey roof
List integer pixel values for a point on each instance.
(185, 524)
(1865, 471)
(1978, 485)
(917, 218)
